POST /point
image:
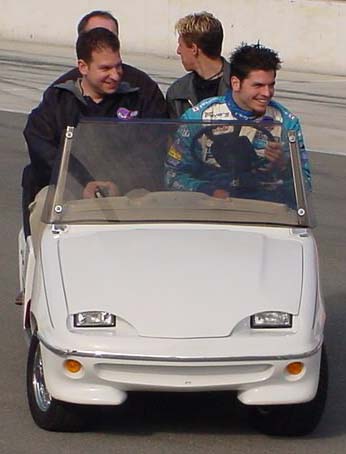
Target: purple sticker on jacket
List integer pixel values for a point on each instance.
(125, 114)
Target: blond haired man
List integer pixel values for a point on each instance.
(200, 37)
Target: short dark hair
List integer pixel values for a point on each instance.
(97, 13)
(202, 29)
(252, 57)
(95, 39)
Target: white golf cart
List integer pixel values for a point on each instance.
(139, 286)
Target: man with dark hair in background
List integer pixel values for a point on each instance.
(200, 39)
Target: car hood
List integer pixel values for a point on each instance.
(181, 283)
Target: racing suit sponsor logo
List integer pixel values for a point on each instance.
(126, 114)
(206, 154)
(175, 154)
(184, 131)
(217, 112)
(219, 130)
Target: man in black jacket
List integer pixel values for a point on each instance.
(99, 91)
(151, 96)
(200, 39)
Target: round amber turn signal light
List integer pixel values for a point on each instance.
(295, 368)
(73, 366)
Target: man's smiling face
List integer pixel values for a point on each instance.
(255, 91)
(102, 75)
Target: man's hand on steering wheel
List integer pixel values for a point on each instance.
(95, 189)
(221, 194)
(274, 154)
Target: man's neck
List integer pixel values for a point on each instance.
(208, 68)
(237, 111)
(88, 91)
(239, 104)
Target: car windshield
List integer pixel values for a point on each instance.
(172, 171)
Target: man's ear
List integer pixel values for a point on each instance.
(235, 83)
(195, 49)
(83, 67)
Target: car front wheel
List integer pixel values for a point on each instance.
(47, 412)
(295, 419)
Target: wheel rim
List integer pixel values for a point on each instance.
(42, 395)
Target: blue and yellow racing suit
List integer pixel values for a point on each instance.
(193, 167)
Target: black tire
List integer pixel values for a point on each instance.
(47, 412)
(296, 419)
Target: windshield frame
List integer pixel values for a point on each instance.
(54, 206)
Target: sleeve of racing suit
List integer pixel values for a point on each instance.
(42, 138)
(180, 165)
(183, 170)
(304, 155)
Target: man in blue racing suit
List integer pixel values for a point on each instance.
(195, 165)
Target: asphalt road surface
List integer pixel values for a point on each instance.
(178, 423)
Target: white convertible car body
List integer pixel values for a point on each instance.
(161, 290)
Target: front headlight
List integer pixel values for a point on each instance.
(93, 319)
(271, 319)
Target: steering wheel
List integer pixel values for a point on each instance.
(230, 147)
(235, 153)
(208, 131)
